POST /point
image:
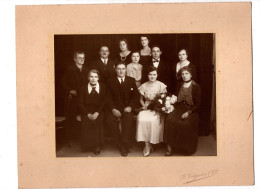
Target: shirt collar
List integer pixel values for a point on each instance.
(156, 59)
(90, 87)
(119, 79)
(102, 59)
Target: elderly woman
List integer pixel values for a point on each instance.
(91, 103)
(124, 54)
(150, 125)
(181, 127)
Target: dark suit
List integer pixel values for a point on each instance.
(120, 97)
(164, 74)
(106, 71)
(73, 79)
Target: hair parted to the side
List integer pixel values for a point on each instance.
(120, 63)
(94, 71)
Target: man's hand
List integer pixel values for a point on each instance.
(116, 113)
(128, 109)
(74, 92)
(95, 115)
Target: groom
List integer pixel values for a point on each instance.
(123, 98)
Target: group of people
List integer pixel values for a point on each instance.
(108, 92)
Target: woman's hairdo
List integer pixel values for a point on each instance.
(151, 69)
(186, 68)
(78, 52)
(183, 50)
(93, 71)
(147, 36)
(135, 52)
(124, 39)
(119, 63)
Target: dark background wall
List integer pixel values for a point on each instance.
(199, 46)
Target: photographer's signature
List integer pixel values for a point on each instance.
(191, 177)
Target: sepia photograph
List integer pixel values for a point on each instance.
(135, 95)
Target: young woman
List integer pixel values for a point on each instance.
(124, 54)
(149, 124)
(181, 129)
(146, 51)
(134, 69)
(91, 103)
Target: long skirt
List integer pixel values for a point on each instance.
(150, 127)
(182, 134)
(92, 132)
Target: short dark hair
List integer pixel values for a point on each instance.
(135, 52)
(123, 39)
(78, 52)
(147, 36)
(186, 68)
(94, 71)
(119, 63)
(151, 69)
(103, 46)
(183, 49)
(158, 46)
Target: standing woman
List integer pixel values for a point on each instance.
(124, 54)
(183, 57)
(134, 69)
(91, 103)
(181, 127)
(150, 125)
(145, 52)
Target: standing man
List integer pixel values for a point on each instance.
(163, 68)
(123, 98)
(74, 78)
(104, 65)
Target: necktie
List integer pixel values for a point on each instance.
(154, 60)
(122, 81)
(93, 91)
(105, 61)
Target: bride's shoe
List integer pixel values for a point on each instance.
(147, 151)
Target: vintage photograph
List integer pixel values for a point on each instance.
(137, 95)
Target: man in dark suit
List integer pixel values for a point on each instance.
(104, 65)
(163, 69)
(73, 79)
(123, 98)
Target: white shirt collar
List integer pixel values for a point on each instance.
(102, 59)
(90, 88)
(156, 64)
(119, 79)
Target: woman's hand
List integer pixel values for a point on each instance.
(95, 115)
(116, 113)
(90, 116)
(144, 107)
(185, 115)
(74, 92)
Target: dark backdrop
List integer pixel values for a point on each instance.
(199, 46)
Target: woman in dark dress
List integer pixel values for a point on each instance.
(145, 52)
(125, 54)
(183, 56)
(181, 127)
(91, 104)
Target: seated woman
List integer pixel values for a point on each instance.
(149, 123)
(91, 103)
(134, 69)
(181, 126)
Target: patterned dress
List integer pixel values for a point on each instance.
(135, 71)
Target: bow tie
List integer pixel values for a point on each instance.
(155, 60)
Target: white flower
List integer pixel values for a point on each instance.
(167, 104)
(171, 108)
(168, 98)
(160, 100)
(163, 95)
(173, 99)
(163, 109)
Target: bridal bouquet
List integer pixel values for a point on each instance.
(163, 103)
